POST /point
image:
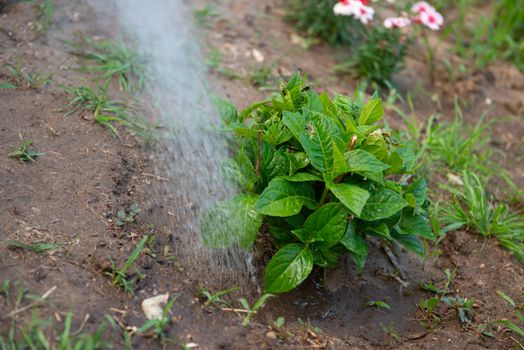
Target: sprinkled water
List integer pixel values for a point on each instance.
(191, 161)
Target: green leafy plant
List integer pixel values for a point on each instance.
(24, 154)
(113, 60)
(323, 175)
(105, 111)
(251, 311)
(124, 217)
(119, 275)
(473, 210)
(378, 57)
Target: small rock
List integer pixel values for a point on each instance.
(259, 57)
(271, 335)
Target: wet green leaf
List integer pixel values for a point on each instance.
(289, 267)
(284, 198)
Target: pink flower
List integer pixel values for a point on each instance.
(397, 22)
(427, 15)
(431, 19)
(355, 8)
(422, 6)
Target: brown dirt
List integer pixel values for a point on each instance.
(71, 196)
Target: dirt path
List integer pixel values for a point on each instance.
(70, 197)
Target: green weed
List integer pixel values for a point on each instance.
(204, 15)
(378, 304)
(123, 217)
(119, 275)
(377, 58)
(44, 14)
(261, 76)
(518, 309)
(251, 311)
(157, 328)
(24, 154)
(29, 79)
(37, 247)
(113, 60)
(106, 112)
(473, 210)
(214, 61)
(215, 299)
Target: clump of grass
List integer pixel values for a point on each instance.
(204, 15)
(113, 60)
(119, 275)
(105, 112)
(473, 210)
(213, 61)
(518, 326)
(29, 79)
(261, 76)
(44, 14)
(23, 153)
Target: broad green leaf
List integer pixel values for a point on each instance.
(380, 229)
(297, 161)
(352, 196)
(296, 122)
(395, 162)
(326, 257)
(415, 225)
(240, 171)
(376, 145)
(339, 163)
(284, 198)
(371, 112)
(301, 177)
(280, 230)
(318, 139)
(355, 244)
(226, 110)
(361, 161)
(383, 203)
(233, 222)
(277, 133)
(418, 189)
(410, 198)
(246, 113)
(327, 224)
(289, 267)
(408, 154)
(410, 242)
(274, 163)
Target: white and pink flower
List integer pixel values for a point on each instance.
(397, 22)
(427, 15)
(355, 8)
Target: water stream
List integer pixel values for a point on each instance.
(191, 159)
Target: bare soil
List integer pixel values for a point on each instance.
(70, 197)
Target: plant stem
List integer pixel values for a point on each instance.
(430, 57)
(324, 196)
(259, 156)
